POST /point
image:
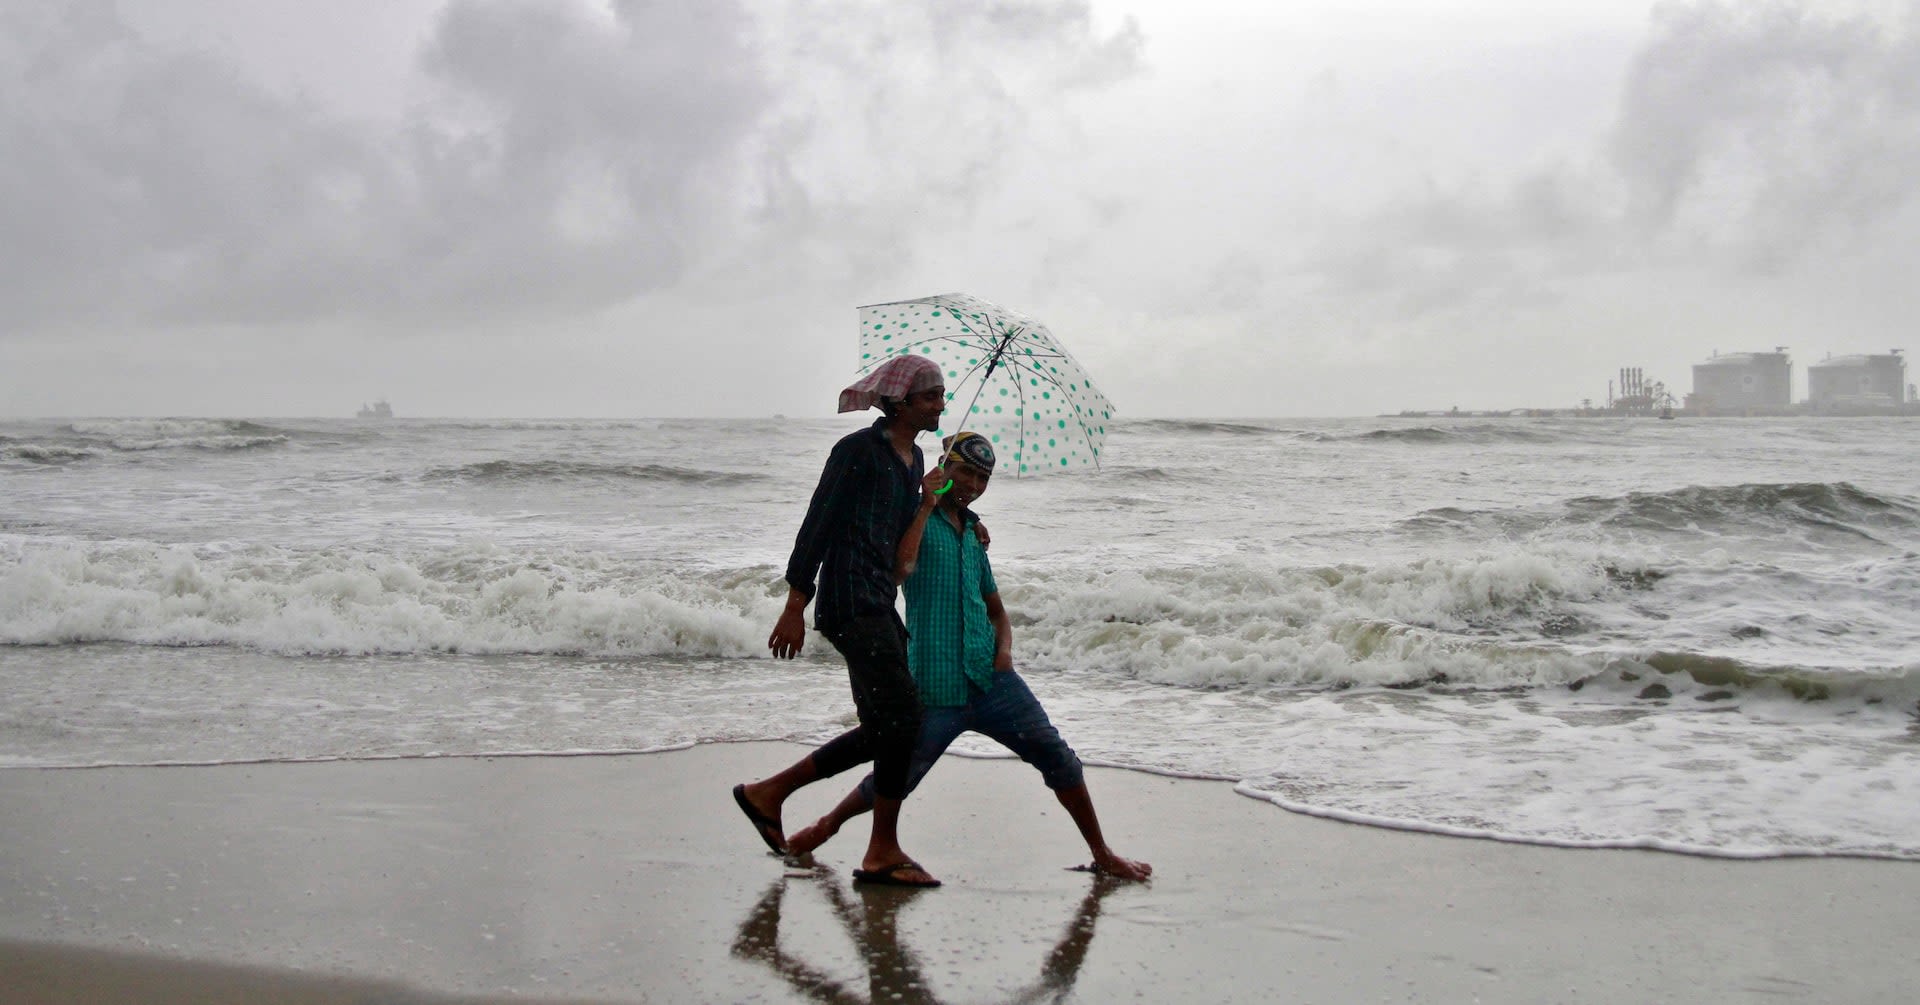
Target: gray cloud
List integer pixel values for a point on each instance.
(159, 184)
(1772, 128)
(1747, 136)
(569, 159)
(906, 117)
(1447, 250)
(127, 169)
(592, 177)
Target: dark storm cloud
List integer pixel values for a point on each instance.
(129, 170)
(160, 184)
(569, 159)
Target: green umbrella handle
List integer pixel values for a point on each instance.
(948, 487)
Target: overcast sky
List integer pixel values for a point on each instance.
(673, 207)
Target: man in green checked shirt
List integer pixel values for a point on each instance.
(961, 656)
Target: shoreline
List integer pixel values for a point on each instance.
(634, 878)
(1240, 788)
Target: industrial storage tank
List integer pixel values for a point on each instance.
(1743, 382)
(1864, 382)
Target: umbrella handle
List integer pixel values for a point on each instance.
(944, 489)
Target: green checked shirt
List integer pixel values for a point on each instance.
(951, 639)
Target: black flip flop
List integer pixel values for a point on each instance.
(763, 825)
(888, 875)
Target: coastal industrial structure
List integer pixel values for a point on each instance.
(1638, 395)
(1746, 384)
(1761, 383)
(1743, 383)
(1862, 383)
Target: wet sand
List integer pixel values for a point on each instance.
(635, 879)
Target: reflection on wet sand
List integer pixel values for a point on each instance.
(869, 915)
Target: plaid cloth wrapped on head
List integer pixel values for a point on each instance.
(894, 379)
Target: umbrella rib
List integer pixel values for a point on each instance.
(987, 362)
(1021, 414)
(1078, 418)
(959, 314)
(960, 318)
(976, 395)
(1037, 372)
(1000, 343)
(996, 355)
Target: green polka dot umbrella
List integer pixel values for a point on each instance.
(1008, 379)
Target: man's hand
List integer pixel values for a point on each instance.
(790, 632)
(1003, 660)
(930, 487)
(980, 531)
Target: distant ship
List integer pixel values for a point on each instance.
(379, 410)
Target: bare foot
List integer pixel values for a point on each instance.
(1113, 865)
(812, 836)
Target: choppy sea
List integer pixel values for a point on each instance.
(1695, 635)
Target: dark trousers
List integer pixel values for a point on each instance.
(887, 700)
(1008, 713)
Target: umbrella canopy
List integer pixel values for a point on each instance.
(1008, 378)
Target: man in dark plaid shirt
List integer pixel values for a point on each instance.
(847, 543)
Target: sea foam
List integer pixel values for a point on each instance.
(478, 600)
(1513, 617)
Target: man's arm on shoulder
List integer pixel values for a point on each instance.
(906, 556)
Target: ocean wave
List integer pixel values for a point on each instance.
(1230, 625)
(473, 600)
(46, 453)
(141, 435)
(1200, 427)
(1145, 474)
(1242, 624)
(546, 425)
(1836, 506)
(200, 443)
(1760, 509)
(1416, 434)
(1713, 677)
(158, 428)
(1474, 432)
(1540, 614)
(550, 471)
(1527, 616)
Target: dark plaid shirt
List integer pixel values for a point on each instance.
(863, 504)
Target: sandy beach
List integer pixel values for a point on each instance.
(634, 878)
